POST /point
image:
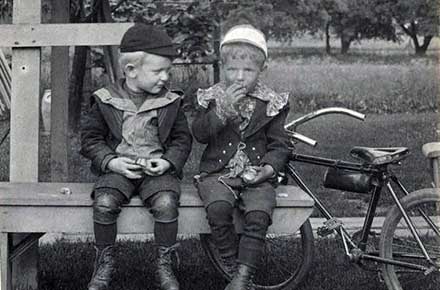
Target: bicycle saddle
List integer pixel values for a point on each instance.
(379, 156)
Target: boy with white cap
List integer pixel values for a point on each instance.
(242, 122)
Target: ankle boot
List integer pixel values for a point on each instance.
(103, 268)
(164, 272)
(243, 279)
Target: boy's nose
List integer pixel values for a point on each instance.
(240, 75)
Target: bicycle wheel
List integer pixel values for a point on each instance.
(398, 243)
(285, 263)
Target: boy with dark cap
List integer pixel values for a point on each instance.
(137, 138)
(242, 122)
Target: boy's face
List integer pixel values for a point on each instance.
(244, 72)
(152, 74)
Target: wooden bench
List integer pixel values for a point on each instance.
(39, 208)
(432, 152)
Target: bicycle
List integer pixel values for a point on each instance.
(409, 245)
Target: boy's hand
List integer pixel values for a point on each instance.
(233, 94)
(126, 167)
(263, 173)
(156, 166)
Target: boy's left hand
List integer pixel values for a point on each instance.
(156, 166)
(263, 172)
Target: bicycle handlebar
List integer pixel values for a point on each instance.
(291, 127)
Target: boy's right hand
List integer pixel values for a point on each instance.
(126, 167)
(233, 94)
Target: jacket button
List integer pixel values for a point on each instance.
(258, 157)
(220, 160)
(224, 151)
(253, 148)
(230, 144)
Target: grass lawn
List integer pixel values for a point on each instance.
(68, 266)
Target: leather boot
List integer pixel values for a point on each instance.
(164, 273)
(103, 268)
(243, 279)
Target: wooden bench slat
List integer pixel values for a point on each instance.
(49, 194)
(40, 207)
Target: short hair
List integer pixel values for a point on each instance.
(135, 58)
(242, 50)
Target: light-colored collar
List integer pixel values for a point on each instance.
(127, 105)
(275, 101)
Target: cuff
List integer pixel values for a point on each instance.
(105, 162)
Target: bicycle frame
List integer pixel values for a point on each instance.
(357, 252)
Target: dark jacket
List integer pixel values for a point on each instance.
(265, 138)
(101, 131)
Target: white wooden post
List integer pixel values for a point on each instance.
(25, 99)
(26, 36)
(25, 93)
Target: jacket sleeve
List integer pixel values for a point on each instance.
(277, 142)
(207, 124)
(94, 131)
(179, 142)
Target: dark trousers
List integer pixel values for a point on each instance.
(162, 203)
(250, 245)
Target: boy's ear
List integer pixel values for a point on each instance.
(130, 70)
(264, 67)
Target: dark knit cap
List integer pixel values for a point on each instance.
(148, 38)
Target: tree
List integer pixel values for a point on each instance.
(354, 20)
(350, 20)
(297, 18)
(417, 18)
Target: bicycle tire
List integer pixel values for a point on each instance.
(397, 240)
(294, 271)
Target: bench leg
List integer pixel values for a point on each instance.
(5, 265)
(23, 256)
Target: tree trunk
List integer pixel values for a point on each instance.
(345, 44)
(328, 48)
(421, 49)
(411, 31)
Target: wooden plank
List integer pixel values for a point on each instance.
(25, 91)
(78, 34)
(25, 115)
(59, 138)
(40, 207)
(25, 99)
(134, 220)
(48, 194)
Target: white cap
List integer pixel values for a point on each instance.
(246, 34)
